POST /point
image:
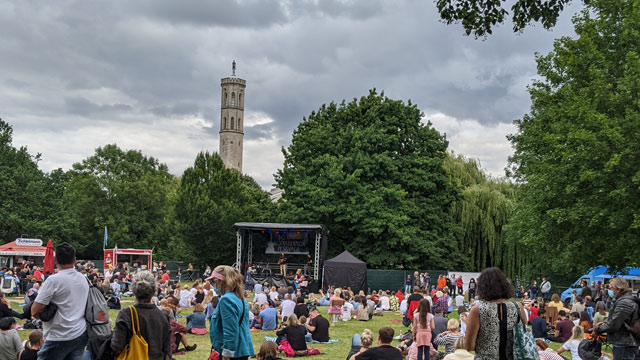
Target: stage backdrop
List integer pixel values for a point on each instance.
(346, 270)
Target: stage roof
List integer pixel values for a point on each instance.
(275, 226)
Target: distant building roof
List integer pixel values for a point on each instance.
(21, 250)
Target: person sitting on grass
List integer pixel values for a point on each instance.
(10, 344)
(268, 318)
(301, 308)
(449, 337)
(197, 321)
(178, 335)
(268, 351)
(459, 353)
(318, 326)
(384, 351)
(360, 343)
(363, 310)
(295, 335)
(32, 346)
(577, 335)
(545, 352)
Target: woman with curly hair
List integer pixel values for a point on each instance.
(492, 319)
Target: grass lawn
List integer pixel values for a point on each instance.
(343, 331)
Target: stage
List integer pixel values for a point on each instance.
(259, 246)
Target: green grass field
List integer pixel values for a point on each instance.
(343, 331)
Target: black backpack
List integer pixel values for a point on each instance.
(634, 325)
(590, 349)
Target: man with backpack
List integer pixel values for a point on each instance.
(65, 334)
(621, 321)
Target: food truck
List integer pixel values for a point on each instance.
(15, 252)
(134, 257)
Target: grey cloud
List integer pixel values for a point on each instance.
(84, 107)
(247, 13)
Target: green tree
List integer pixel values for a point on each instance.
(24, 209)
(123, 190)
(372, 173)
(577, 151)
(483, 211)
(211, 198)
(481, 16)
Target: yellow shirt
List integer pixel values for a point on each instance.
(557, 304)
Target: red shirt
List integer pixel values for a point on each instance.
(38, 275)
(400, 296)
(165, 277)
(533, 313)
(459, 282)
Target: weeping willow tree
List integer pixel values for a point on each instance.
(483, 210)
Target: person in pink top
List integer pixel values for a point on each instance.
(335, 305)
(421, 328)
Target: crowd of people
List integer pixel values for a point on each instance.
(484, 328)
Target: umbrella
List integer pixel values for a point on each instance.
(48, 258)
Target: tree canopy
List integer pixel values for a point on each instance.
(483, 211)
(577, 151)
(211, 198)
(372, 173)
(479, 17)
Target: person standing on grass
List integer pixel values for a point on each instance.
(384, 351)
(488, 317)
(421, 328)
(229, 325)
(65, 335)
(623, 313)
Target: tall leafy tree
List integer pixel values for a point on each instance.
(123, 190)
(372, 173)
(577, 151)
(23, 209)
(211, 198)
(483, 211)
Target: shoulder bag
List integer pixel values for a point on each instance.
(137, 348)
(524, 345)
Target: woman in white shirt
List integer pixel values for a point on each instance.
(577, 335)
(185, 296)
(385, 305)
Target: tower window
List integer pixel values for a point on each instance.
(240, 103)
(233, 99)
(232, 124)
(226, 99)
(224, 123)
(239, 123)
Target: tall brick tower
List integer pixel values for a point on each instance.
(231, 120)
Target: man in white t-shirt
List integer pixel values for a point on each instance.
(287, 306)
(65, 335)
(260, 298)
(459, 300)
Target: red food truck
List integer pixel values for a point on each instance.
(135, 257)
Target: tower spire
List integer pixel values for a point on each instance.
(233, 67)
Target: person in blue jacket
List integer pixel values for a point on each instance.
(229, 326)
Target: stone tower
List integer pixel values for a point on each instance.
(232, 120)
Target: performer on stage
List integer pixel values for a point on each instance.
(283, 264)
(308, 265)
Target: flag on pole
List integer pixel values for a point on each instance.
(106, 236)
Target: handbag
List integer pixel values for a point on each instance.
(137, 348)
(524, 345)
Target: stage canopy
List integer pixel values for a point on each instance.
(256, 241)
(346, 270)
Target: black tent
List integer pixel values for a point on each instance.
(346, 270)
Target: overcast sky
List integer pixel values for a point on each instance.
(76, 75)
